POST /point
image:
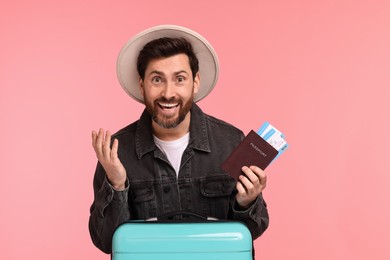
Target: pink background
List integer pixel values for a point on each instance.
(317, 70)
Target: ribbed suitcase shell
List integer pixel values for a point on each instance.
(200, 240)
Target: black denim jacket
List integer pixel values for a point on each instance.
(153, 189)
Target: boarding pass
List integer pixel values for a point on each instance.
(274, 137)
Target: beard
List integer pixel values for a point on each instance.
(168, 121)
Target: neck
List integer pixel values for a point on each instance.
(170, 134)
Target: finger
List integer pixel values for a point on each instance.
(94, 136)
(251, 175)
(247, 184)
(256, 170)
(260, 174)
(114, 149)
(240, 188)
(106, 145)
(98, 143)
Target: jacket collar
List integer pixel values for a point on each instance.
(198, 132)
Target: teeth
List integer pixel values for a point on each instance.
(168, 105)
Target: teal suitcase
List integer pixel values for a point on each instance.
(173, 240)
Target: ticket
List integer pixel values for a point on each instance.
(274, 137)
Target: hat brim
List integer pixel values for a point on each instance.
(126, 66)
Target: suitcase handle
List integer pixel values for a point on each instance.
(172, 215)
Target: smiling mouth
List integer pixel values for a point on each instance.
(168, 106)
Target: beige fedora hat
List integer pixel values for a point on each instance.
(126, 66)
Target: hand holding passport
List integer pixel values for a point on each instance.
(258, 149)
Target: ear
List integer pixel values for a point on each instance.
(141, 86)
(196, 82)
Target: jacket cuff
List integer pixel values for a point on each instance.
(251, 212)
(118, 196)
(107, 195)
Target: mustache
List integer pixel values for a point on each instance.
(165, 100)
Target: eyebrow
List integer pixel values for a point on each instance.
(162, 73)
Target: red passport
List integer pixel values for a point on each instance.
(253, 150)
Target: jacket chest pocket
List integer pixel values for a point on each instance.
(216, 193)
(142, 201)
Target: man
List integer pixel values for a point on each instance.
(169, 160)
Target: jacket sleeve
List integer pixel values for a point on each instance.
(255, 217)
(109, 209)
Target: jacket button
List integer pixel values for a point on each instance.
(167, 189)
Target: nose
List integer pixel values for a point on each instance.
(168, 91)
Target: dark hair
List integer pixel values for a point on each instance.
(163, 48)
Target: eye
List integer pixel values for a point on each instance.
(181, 79)
(156, 80)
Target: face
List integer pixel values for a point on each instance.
(168, 89)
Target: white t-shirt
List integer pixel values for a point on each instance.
(173, 149)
